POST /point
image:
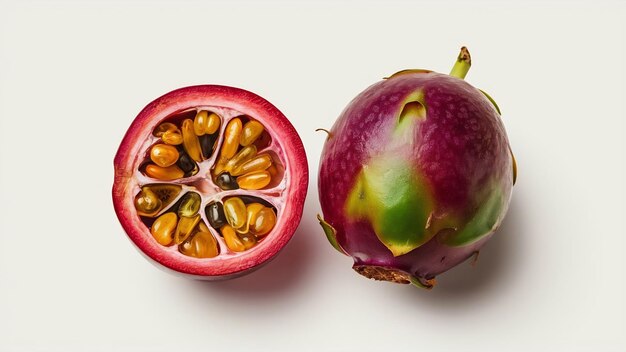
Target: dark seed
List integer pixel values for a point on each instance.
(226, 182)
(207, 142)
(185, 163)
(215, 214)
(190, 204)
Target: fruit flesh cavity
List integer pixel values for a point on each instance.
(181, 224)
(286, 192)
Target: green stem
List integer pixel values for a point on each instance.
(462, 64)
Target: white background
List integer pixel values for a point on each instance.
(73, 75)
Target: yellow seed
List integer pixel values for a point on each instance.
(229, 146)
(172, 137)
(248, 240)
(254, 180)
(233, 242)
(252, 210)
(240, 158)
(202, 227)
(199, 123)
(219, 166)
(273, 171)
(186, 247)
(163, 227)
(163, 155)
(205, 245)
(258, 163)
(212, 124)
(169, 133)
(201, 245)
(231, 138)
(164, 127)
(147, 202)
(264, 222)
(185, 227)
(191, 143)
(251, 131)
(164, 173)
(235, 212)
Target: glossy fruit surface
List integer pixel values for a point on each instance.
(416, 175)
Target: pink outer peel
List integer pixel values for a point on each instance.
(457, 150)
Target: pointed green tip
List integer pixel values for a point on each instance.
(331, 234)
(514, 166)
(404, 72)
(493, 102)
(423, 283)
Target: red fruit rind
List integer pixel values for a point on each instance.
(416, 177)
(295, 180)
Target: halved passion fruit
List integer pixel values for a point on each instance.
(210, 181)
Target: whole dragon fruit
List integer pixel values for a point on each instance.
(416, 175)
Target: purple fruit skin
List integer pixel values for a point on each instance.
(459, 147)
